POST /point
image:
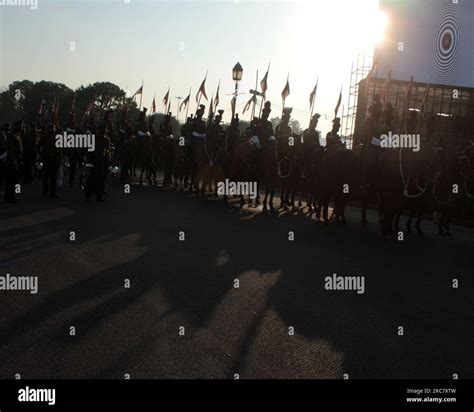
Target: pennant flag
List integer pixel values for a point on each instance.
(216, 102)
(211, 105)
(166, 98)
(185, 102)
(386, 87)
(286, 91)
(338, 103)
(313, 95)
(139, 91)
(425, 98)
(249, 103)
(153, 105)
(264, 82)
(202, 90)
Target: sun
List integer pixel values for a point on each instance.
(348, 26)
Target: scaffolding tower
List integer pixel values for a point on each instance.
(360, 68)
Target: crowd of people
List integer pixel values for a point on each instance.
(204, 152)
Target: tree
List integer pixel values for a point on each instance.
(22, 100)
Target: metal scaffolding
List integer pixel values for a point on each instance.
(360, 68)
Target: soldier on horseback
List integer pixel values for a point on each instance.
(198, 125)
(283, 129)
(310, 135)
(265, 127)
(333, 139)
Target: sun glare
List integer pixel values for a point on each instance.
(345, 27)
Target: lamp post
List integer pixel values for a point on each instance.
(237, 77)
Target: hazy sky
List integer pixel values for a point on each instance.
(175, 42)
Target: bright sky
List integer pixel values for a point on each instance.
(174, 43)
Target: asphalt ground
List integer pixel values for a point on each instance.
(191, 284)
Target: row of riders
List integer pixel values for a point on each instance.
(438, 178)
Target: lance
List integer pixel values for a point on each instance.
(264, 92)
(200, 93)
(179, 98)
(141, 95)
(314, 99)
(255, 99)
(188, 104)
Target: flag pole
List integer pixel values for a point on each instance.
(314, 98)
(200, 93)
(141, 95)
(189, 104)
(264, 98)
(284, 100)
(177, 111)
(255, 99)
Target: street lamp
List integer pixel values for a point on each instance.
(237, 72)
(237, 77)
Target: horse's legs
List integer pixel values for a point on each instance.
(441, 230)
(418, 221)
(282, 196)
(447, 222)
(396, 220)
(265, 199)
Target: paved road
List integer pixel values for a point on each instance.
(190, 284)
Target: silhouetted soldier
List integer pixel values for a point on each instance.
(310, 135)
(166, 133)
(283, 129)
(30, 140)
(98, 160)
(165, 128)
(141, 126)
(216, 128)
(51, 156)
(332, 138)
(125, 148)
(13, 160)
(233, 132)
(265, 127)
(198, 125)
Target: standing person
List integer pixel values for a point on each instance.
(98, 160)
(125, 147)
(14, 152)
(51, 156)
(30, 141)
